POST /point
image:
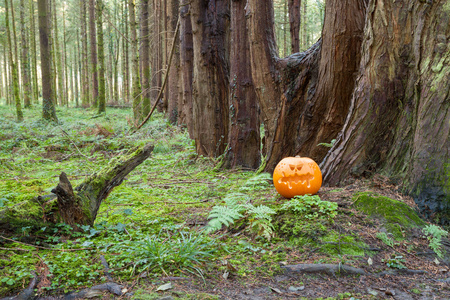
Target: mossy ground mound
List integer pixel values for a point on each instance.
(398, 218)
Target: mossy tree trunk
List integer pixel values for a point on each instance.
(80, 205)
(33, 50)
(144, 56)
(13, 61)
(101, 60)
(399, 124)
(74, 206)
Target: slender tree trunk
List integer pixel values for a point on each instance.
(101, 60)
(26, 81)
(244, 138)
(34, 72)
(126, 63)
(187, 68)
(14, 71)
(399, 123)
(294, 22)
(172, 85)
(210, 81)
(93, 62)
(156, 51)
(85, 93)
(53, 53)
(48, 106)
(58, 57)
(65, 63)
(136, 94)
(144, 58)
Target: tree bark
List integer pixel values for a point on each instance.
(172, 85)
(93, 46)
(300, 97)
(136, 88)
(187, 68)
(144, 51)
(48, 103)
(85, 93)
(26, 81)
(58, 58)
(101, 60)
(399, 123)
(210, 80)
(13, 61)
(294, 22)
(243, 149)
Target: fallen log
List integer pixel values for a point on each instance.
(74, 206)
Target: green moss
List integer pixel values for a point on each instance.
(338, 244)
(398, 217)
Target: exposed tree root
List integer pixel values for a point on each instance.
(27, 293)
(333, 269)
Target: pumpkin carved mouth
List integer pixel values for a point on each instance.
(296, 179)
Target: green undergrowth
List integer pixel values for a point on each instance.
(174, 215)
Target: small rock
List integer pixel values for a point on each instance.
(296, 288)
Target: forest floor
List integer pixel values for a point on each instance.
(149, 238)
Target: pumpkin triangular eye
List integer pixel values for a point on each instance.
(292, 167)
(299, 167)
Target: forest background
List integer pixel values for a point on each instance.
(360, 86)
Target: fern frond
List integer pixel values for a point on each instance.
(236, 201)
(222, 215)
(261, 212)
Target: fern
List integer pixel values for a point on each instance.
(260, 181)
(260, 219)
(235, 208)
(226, 215)
(434, 234)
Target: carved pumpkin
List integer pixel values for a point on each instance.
(297, 176)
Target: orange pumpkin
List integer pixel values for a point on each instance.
(297, 176)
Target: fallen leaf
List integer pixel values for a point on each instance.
(165, 287)
(436, 261)
(296, 289)
(370, 261)
(225, 275)
(276, 290)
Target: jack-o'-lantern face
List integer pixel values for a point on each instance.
(297, 176)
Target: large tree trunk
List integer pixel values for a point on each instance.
(48, 103)
(210, 81)
(399, 123)
(243, 149)
(304, 97)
